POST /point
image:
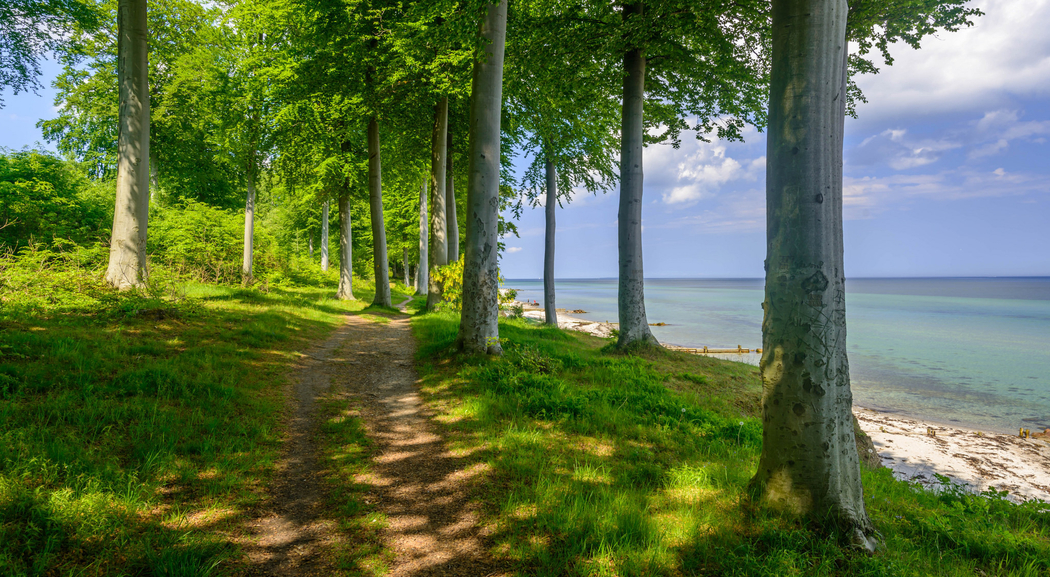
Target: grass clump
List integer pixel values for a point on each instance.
(603, 463)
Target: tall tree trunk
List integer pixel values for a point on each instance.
(405, 259)
(346, 247)
(249, 229)
(127, 245)
(550, 312)
(310, 245)
(375, 204)
(450, 205)
(324, 236)
(634, 326)
(809, 463)
(479, 327)
(438, 222)
(422, 276)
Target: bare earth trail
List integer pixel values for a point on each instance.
(421, 487)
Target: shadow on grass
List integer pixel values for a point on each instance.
(135, 444)
(604, 463)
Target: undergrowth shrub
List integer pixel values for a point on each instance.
(450, 277)
(198, 241)
(43, 197)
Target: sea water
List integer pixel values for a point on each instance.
(974, 352)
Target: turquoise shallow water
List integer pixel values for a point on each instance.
(973, 352)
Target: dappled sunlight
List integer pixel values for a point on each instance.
(158, 436)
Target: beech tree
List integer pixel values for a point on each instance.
(562, 111)
(438, 216)
(451, 220)
(345, 291)
(809, 464)
(423, 268)
(684, 66)
(479, 327)
(127, 248)
(324, 236)
(375, 200)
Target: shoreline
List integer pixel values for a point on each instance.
(913, 448)
(917, 450)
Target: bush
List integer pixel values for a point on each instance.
(450, 277)
(198, 240)
(43, 197)
(205, 243)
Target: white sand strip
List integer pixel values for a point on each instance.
(917, 450)
(572, 323)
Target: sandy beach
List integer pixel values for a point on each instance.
(917, 451)
(913, 449)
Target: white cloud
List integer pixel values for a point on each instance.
(990, 149)
(998, 127)
(697, 170)
(899, 150)
(736, 213)
(865, 195)
(1006, 52)
(513, 249)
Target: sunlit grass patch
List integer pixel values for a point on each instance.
(346, 454)
(136, 431)
(611, 464)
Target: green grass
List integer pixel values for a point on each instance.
(346, 453)
(137, 431)
(605, 464)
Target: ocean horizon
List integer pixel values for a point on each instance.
(965, 351)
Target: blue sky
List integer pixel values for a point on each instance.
(947, 172)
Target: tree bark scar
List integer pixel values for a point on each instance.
(817, 283)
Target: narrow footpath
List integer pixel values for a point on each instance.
(421, 488)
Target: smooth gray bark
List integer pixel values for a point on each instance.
(438, 222)
(405, 259)
(346, 248)
(550, 312)
(634, 326)
(422, 270)
(324, 236)
(375, 204)
(450, 205)
(310, 245)
(249, 230)
(809, 464)
(479, 327)
(127, 245)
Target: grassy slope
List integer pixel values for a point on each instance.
(136, 433)
(601, 464)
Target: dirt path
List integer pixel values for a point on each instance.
(291, 535)
(421, 488)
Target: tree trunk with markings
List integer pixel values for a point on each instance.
(809, 464)
(479, 327)
(634, 325)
